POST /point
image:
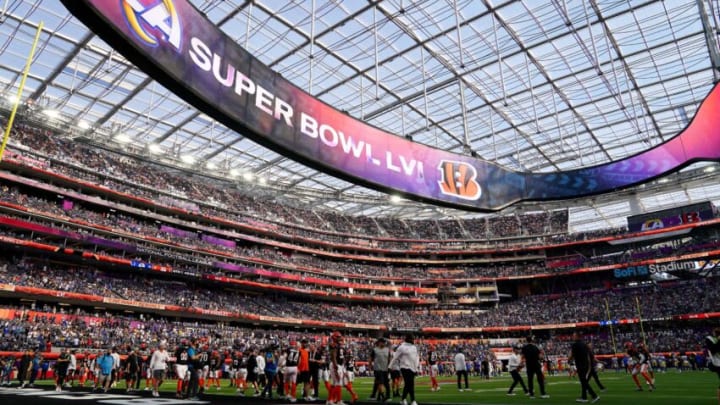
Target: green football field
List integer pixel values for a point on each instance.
(673, 388)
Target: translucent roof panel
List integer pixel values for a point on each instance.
(546, 86)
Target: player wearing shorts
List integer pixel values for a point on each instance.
(158, 365)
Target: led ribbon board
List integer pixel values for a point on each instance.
(179, 47)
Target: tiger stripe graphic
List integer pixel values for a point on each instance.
(458, 179)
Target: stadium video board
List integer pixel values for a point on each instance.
(671, 217)
(182, 49)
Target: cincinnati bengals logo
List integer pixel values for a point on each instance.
(153, 20)
(458, 179)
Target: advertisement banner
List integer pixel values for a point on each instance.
(177, 232)
(182, 49)
(219, 241)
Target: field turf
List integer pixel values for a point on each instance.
(673, 388)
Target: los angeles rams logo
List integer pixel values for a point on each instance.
(458, 179)
(651, 224)
(152, 21)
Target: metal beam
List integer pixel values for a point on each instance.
(62, 65)
(710, 40)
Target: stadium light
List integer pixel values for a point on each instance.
(189, 159)
(122, 138)
(262, 181)
(395, 199)
(11, 98)
(82, 124)
(51, 113)
(709, 169)
(248, 176)
(234, 172)
(211, 165)
(154, 148)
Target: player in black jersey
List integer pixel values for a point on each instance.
(432, 360)
(132, 369)
(182, 360)
(292, 359)
(321, 359)
(350, 375)
(337, 367)
(253, 370)
(314, 366)
(215, 363)
(203, 366)
(239, 363)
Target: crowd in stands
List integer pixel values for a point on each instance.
(47, 326)
(146, 180)
(314, 264)
(185, 253)
(654, 301)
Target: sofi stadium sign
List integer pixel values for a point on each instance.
(649, 269)
(179, 47)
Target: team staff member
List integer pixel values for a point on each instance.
(158, 365)
(25, 367)
(252, 370)
(197, 359)
(514, 367)
(461, 370)
(580, 353)
(407, 359)
(533, 365)
(104, 365)
(379, 363)
(271, 369)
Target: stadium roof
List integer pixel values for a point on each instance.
(533, 85)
